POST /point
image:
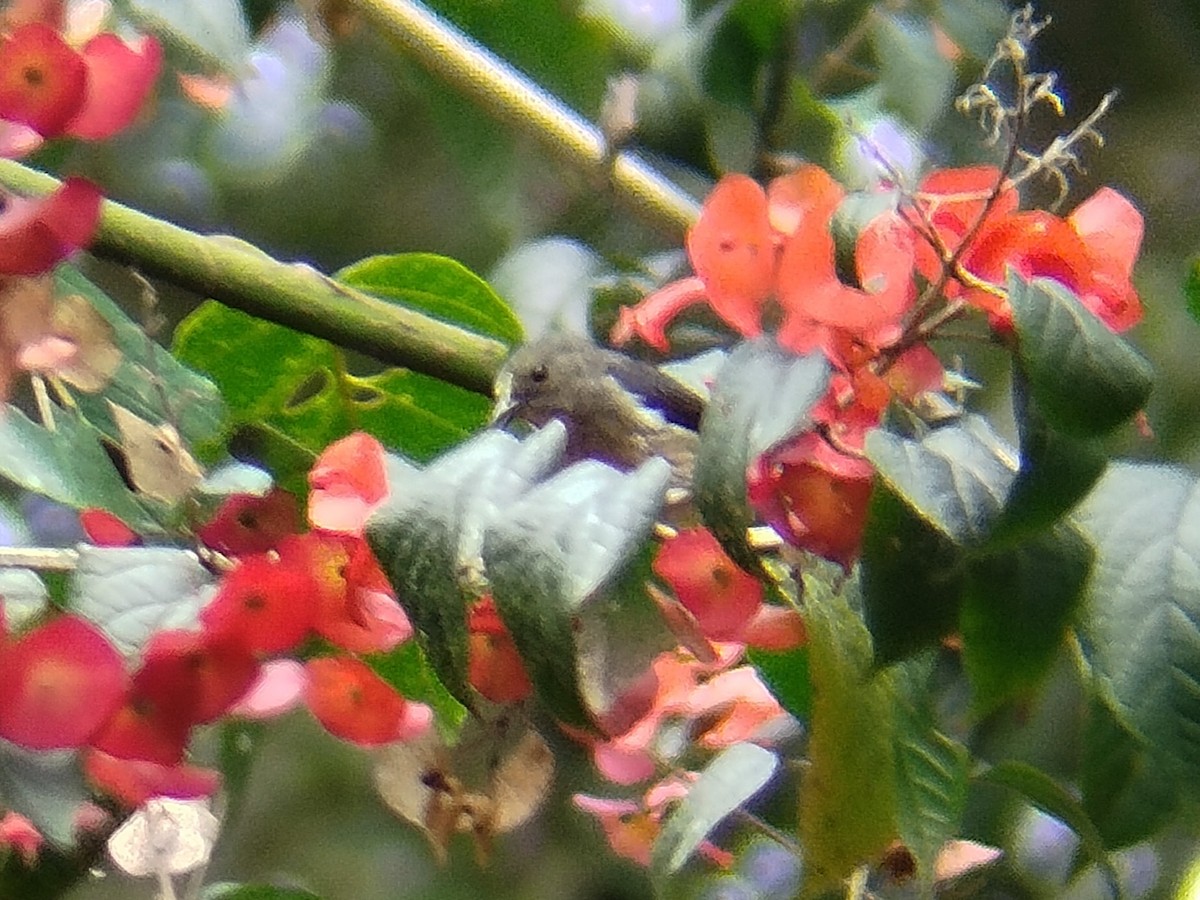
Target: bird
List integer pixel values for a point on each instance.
(616, 409)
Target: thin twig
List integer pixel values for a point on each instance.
(43, 559)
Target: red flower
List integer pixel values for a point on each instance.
(631, 827)
(265, 605)
(348, 481)
(1091, 252)
(58, 684)
(354, 605)
(119, 78)
(19, 833)
(247, 523)
(35, 235)
(494, 666)
(814, 496)
(720, 596)
(750, 246)
(134, 781)
(163, 703)
(48, 86)
(355, 704)
(106, 530)
(43, 82)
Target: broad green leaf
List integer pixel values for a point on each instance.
(956, 478)
(1191, 287)
(439, 286)
(213, 33)
(1085, 379)
(71, 466)
(1124, 793)
(429, 533)
(932, 770)
(1141, 630)
(555, 563)
(916, 78)
(45, 786)
(732, 778)
(407, 669)
(1055, 473)
(1017, 607)
(848, 799)
(148, 377)
(132, 592)
(786, 675)
(741, 422)
(279, 380)
(1053, 799)
(912, 578)
(932, 500)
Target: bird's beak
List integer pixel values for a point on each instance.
(504, 410)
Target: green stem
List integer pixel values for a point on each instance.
(241, 276)
(514, 99)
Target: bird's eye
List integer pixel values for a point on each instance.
(539, 374)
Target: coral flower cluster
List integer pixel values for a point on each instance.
(760, 255)
(64, 685)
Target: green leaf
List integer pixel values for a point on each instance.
(1016, 610)
(786, 675)
(933, 499)
(1141, 634)
(1052, 798)
(733, 776)
(1125, 794)
(148, 376)
(1085, 379)
(278, 379)
(848, 800)
(439, 286)
(912, 578)
(71, 466)
(553, 561)
(741, 422)
(407, 669)
(1191, 287)
(1056, 471)
(956, 478)
(916, 78)
(132, 592)
(932, 770)
(45, 786)
(428, 535)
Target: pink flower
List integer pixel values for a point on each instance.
(348, 481)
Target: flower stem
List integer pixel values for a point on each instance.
(243, 277)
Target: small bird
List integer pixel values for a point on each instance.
(616, 409)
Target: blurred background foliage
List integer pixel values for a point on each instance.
(335, 148)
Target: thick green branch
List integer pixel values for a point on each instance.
(516, 100)
(239, 275)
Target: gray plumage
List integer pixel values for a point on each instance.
(615, 408)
